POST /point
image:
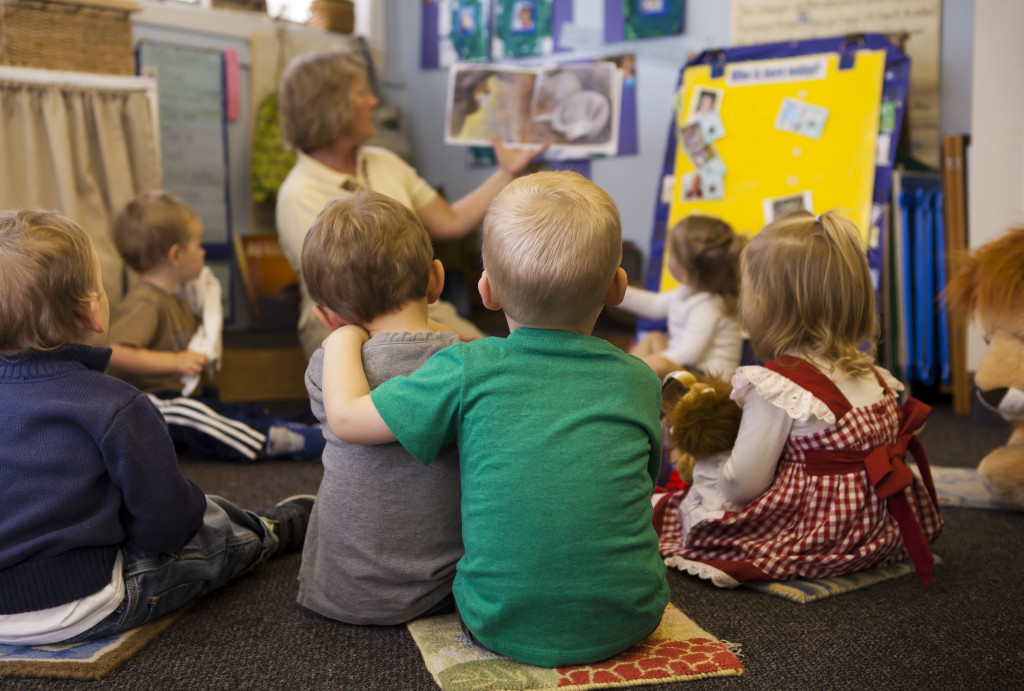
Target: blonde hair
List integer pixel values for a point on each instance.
(365, 256)
(552, 242)
(313, 100)
(48, 272)
(807, 289)
(709, 251)
(149, 226)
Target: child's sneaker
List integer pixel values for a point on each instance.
(288, 520)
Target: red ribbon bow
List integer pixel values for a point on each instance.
(889, 475)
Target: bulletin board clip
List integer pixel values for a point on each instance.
(848, 48)
(717, 59)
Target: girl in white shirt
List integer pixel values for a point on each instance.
(703, 332)
(816, 484)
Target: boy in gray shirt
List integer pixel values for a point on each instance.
(385, 532)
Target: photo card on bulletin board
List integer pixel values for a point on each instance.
(528, 28)
(455, 31)
(629, 20)
(477, 30)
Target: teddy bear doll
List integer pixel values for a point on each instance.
(989, 285)
(701, 419)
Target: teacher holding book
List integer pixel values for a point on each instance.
(326, 109)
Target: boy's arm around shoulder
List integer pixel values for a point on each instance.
(350, 411)
(162, 509)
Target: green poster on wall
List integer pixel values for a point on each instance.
(470, 29)
(522, 28)
(628, 20)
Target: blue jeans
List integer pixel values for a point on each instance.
(231, 543)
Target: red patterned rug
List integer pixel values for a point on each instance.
(678, 650)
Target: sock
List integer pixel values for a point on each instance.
(294, 439)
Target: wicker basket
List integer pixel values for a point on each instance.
(77, 36)
(332, 15)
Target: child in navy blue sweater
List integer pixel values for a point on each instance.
(99, 530)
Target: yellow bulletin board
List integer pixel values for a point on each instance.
(761, 130)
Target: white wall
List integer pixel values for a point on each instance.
(955, 63)
(996, 159)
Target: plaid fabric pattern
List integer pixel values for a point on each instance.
(810, 526)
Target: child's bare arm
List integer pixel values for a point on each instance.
(144, 361)
(661, 365)
(350, 412)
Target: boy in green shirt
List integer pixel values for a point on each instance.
(558, 434)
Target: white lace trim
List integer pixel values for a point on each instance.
(799, 403)
(892, 382)
(706, 571)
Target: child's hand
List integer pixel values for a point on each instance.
(350, 412)
(189, 362)
(348, 336)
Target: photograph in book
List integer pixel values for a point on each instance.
(574, 108)
(487, 101)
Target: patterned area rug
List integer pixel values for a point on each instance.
(809, 590)
(89, 660)
(678, 650)
(962, 488)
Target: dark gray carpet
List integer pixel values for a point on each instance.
(966, 632)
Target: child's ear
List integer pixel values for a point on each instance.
(91, 319)
(487, 294)
(617, 290)
(174, 254)
(436, 283)
(329, 318)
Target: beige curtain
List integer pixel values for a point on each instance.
(80, 144)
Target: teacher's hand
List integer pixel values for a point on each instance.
(514, 161)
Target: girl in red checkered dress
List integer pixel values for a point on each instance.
(815, 485)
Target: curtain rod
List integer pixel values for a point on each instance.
(29, 75)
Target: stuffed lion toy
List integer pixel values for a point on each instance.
(989, 285)
(702, 420)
